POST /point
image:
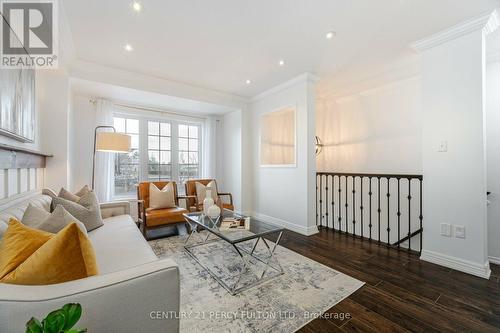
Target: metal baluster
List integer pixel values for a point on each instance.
(346, 208)
(379, 210)
(321, 200)
(409, 213)
(326, 200)
(399, 213)
(340, 203)
(317, 198)
(370, 194)
(388, 212)
(354, 206)
(421, 217)
(333, 202)
(361, 208)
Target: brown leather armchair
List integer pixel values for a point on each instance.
(156, 218)
(194, 205)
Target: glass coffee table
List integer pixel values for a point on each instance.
(254, 267)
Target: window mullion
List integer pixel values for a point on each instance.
(175, 150)
(143, 150)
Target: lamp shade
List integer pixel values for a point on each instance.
(113, 142)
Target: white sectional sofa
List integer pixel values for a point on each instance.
(132, 282)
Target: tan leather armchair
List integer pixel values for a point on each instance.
(156, 218)
(194, 205)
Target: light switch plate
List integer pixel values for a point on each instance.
(446, 229)
(459, 231)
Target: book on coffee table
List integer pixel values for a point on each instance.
(230, 223)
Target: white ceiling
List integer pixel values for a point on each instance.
(219, 44)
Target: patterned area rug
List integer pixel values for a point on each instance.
(283, 304)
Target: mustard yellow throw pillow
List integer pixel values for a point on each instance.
(65, 256)
(18, 243)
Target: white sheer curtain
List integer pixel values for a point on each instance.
(104, 175)
(210, 143)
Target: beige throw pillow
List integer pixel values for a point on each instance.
(65, 194)
(201, 191)
(54, 222)
(164, 198)
(86, 209)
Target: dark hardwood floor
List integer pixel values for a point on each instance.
(402, 293)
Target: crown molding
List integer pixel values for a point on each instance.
(487, 23)
(305, 77)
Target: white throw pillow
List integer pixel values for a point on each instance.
(54, 222)
(201, 191)
(163, 198)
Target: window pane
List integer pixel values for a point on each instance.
(193, 132)
(193, 158)
(133, 126)
(165, 157)
(183, 171)
(153, 171)
(153, 142)
(183, 158)
(130, 158)
(153, 128)
(183, 131)
(126, 176)
(135, 141)
(119, 124)
(193, 172)
(165, 129)
(165, 172)
(154, 157)
(165, 143)
(193, 145)
(183, 144)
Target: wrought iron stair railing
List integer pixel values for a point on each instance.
(384, 208)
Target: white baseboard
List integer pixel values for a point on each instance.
(494, 260)
(307, 231)
(458, 264)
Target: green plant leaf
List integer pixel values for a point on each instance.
(34, 326)
(54, 322)
(72, 312)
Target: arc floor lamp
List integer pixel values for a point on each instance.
(110, 142)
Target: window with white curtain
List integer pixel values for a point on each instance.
(127, 166)
(161, 150)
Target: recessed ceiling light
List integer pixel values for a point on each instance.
(330, 34)
(282, 62)
(248, 81)
(128, 47)
(137, 6)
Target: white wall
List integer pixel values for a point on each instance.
(286, 195)
(54, 99)
(493, 158)
(455, 181)
(229, 171)
(82, 132)
(374, 131)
